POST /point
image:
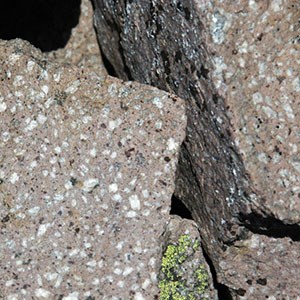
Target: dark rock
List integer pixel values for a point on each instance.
(239, 166)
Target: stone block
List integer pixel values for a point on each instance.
(87, 171)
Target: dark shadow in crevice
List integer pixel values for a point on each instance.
(223, 290)
(126, 68)
(270, 226)
(45, 24)
(179, 209)
(108, 66)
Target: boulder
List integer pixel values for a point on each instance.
(87, 172)
(236, 65)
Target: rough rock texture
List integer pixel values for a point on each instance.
(87, 172)
(237, 65)
(82, 48)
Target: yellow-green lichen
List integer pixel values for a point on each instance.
(174, 284)
(202, 279)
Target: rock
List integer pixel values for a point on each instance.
(183, 263)
(86, 178)
(235, 64)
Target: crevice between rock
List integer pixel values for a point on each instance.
(45, 24)
(270, 226)
(223, 290)
(179, 209)
(108, 66)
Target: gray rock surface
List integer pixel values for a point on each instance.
(237, 66)
(87, 171)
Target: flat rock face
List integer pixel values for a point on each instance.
(268, 264)
(237, 66)
(86, 177)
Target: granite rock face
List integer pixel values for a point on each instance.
(237, 66)
(86, 178)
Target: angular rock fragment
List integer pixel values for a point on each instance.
(183, 264)
(237, 66)
(87, 172)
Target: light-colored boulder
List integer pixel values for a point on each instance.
(87, 171)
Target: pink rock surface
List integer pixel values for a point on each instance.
(262, 268)
(86, 177)
(257, 71)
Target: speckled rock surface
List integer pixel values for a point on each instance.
(82, 48)
(259, 56)
(86, 176)
(237, 65)
(269, 265)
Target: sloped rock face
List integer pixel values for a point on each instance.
(86, 178)
(236, 64)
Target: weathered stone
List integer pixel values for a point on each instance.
(237, 66)
(87, 172)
